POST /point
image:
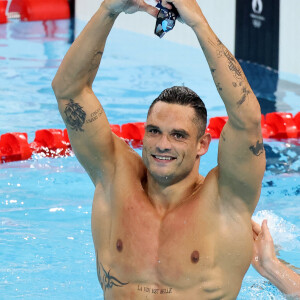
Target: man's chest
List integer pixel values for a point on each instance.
(196, 244)
(177, 248)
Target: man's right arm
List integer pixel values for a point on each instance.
(88, 127)
(91, 138)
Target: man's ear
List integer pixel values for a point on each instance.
(203, 144)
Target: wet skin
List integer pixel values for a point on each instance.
(150, 245)
(160, 229)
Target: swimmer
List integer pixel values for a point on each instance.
(160, 229)
(269, 266)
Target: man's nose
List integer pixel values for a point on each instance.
(163, 144)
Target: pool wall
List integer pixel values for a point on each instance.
(224, 24)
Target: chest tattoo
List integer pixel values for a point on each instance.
(106, 280)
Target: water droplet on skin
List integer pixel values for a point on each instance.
(256, 258)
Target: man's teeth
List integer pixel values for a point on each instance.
(163, 157)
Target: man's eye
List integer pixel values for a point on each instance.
(153, 131)
(178, 136)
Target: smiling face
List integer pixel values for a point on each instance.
(171, 147)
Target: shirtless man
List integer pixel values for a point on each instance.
(161, 230)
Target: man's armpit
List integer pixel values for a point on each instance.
(76, 116)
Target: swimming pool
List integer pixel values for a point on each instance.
(45, 204)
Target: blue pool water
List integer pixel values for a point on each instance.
(45, 204)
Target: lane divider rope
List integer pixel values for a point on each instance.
(34, 10)
(55, 142)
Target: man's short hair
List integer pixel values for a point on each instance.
(184, 96)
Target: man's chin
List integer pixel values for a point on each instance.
(162, 177)
(165, 177)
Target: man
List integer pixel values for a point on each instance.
(161, 230)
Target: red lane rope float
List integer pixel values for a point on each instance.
(215, 126)
(51, 142)
(3, 18)
(297, 122)
(55, 142)
(37, 10)
(283, 124)
(14, 147)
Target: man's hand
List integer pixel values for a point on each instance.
(115, 7)
(264, 251)
(268, 265)
(189, 11)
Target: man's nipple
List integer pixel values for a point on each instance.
(119, 245)
(195, 257)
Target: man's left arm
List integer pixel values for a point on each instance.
(241, 158)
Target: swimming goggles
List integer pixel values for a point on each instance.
(165, 19)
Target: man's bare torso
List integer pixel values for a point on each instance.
(199, 250)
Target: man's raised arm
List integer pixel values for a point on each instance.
(241, 153)
(88, 128)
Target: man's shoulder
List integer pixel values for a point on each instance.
(212, 176)
(128, 161)
(209, 187)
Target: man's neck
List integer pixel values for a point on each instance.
(167, 197)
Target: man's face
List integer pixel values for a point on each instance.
(171, 146)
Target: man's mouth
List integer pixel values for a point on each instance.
(163, 158)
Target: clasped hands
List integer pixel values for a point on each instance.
(189, 10)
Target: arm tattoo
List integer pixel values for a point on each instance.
(244, 90)
(234, 68)
(245, 93)
(95, 115)
(257, 149)
(233, 65)
(106, 280)
(96, 60)
(75, 115)
(218, 85)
